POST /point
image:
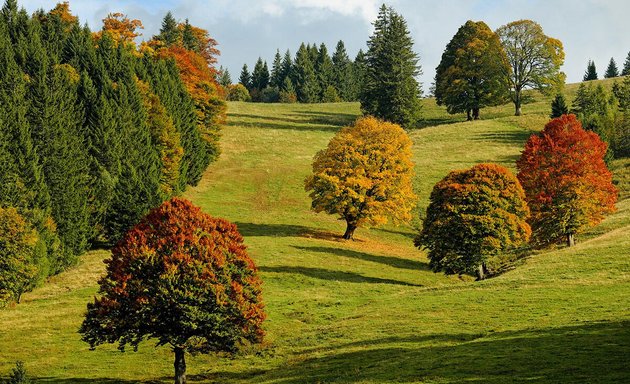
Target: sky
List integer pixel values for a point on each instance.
(247, 29)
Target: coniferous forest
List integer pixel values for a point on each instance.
(98, 130)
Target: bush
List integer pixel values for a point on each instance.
(270, 95)
(288, 97)
(238, 92)
(18, 375)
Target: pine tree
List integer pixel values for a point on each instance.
(391, 91)
(324, 71)
(612, 70)
(224, 77)
(591, 72)
(343, 75)
(276, 78)
(245, 78)
(169, 33)
(359, 73)
(626, 66)
(287, 67)
(558, 106)
(189, 40)
(307, 87)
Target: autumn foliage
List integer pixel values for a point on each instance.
(474, 214)
(567, 184)
(122, 29)
(183, 278)
(364, 175)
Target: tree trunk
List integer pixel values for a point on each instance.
(349, 231)
(476, 113)
(481, 272)
(180, 366)
(517, 103)
(468, 117)
(570, 240)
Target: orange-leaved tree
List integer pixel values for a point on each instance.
(183, 278)
(567, 184)
(364, 175)
(122, 29)
(474, 214)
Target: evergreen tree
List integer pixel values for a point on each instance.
(359, 73)
(324, 71)
(287, 67)
(224, 77)
(189, 40)
(169, 33)
(276, 77)
(342, 73)
(559, 106)
(245, 77)
(591, 72)
(612, 70)
(391, 91)
(287, 92)
(260, 79)
(307, 87)
(626, 66)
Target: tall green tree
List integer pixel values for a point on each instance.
(245, 78)
(324, 70)
(471, 74)
(626, 66)
(286, 70)
(169, 32)
(535, 59)
(275, 78)
(391, 91)
(612, 70)
(359, 73)
(224, 77)
(591, 72)
(306, 84)
(342, 74)
(559, 106)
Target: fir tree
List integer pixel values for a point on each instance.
(591, 72)
(245, 77)
(324, 71)
(391, 91)
(559, 106)
(169, 33)
(359, 73)
(626, 66)
(342, 73)
(287, 67)
(307, 87)
(189, 40)
(276, 78)
(224, 77)
(612, 70)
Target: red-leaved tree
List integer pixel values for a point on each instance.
(183, 278)
(567, 184)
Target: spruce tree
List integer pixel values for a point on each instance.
(558, 106)
(324, 71)
(359, 73)
(626, 66)
(391, 91)
(245, 77)
(287, 67)
(224, 77)
(189, 40)
(169, 33)
(342, 73)
(306, 85)
(612, 70)
(276, 79)
(591, 72)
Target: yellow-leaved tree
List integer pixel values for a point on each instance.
(364, 175)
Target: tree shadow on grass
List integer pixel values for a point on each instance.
(328, 118)
(100, 380)
(395, 262)
(506, 137)
(592, 353)
(301, 126)
(331, 275)
(285, 230)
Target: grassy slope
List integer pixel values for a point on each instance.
(368, 310)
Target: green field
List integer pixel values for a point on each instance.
(369, 310)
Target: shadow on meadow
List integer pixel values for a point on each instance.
(332, 275)
(592, 353)
(391, 261)
(285, 230)
(299, 121)
(506, 137)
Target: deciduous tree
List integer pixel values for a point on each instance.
(471, 74)
(183, 278)
(364, 175)
(474, 214)
(535, 59)
(567, 185)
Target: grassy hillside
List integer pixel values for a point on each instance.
(369, 310)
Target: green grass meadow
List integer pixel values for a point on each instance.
(368, 310)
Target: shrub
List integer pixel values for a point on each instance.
(238, 92)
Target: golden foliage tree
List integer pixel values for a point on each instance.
(364, 175)
(122, 29)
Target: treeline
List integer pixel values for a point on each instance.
(611, 71)
(94, 131)
(312, 76)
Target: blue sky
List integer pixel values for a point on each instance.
(247, 29)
